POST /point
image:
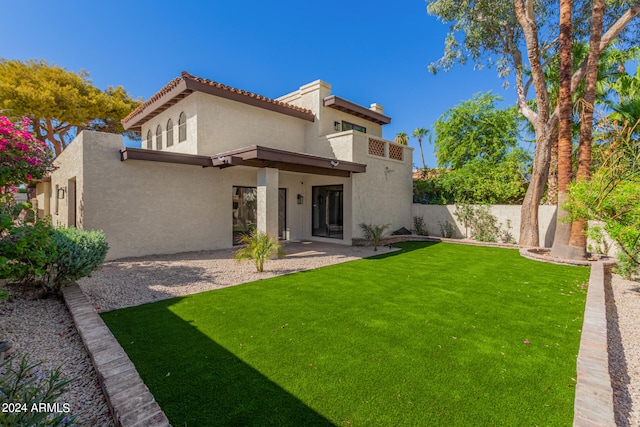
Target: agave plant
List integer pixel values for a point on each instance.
(259, 247)
(373, 233)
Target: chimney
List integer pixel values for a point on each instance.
(377, 108)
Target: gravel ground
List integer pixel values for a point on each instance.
(623, 315)
(44, 327)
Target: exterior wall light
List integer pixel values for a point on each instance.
(336, 126)
(61, 192)
(334, 163)
(300, 199)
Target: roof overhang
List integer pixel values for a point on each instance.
(253, 156)
(355, 110)
(183, 86)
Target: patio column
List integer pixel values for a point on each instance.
(267, 211)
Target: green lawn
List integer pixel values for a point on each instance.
(438, 334)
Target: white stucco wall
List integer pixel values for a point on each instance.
(434, 215)
(384, 194)
(187, 105)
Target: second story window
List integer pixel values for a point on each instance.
(149, 145)
(182, 127)
(169, 133)
(158, 138)
(350, 126)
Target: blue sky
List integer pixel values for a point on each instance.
(373, 51)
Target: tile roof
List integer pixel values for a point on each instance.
(186, 84)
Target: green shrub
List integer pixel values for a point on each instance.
(80, 253)
(259, 247)
(373, 233)
(628, 267)
(34, 253)
(26, 250)
(447, 229)
(23, 386)
(483, 224)
(419, 226)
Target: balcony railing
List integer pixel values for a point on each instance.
(388, 149)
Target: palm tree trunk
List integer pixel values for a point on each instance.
(424, 165)
(560, 246)
(578, 239)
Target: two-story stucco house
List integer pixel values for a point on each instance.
(216, 161)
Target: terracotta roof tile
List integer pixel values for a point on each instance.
(186, 77)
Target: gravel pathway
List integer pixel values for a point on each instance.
(44, 327)
(623, 315)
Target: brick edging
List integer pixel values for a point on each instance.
(594, 394)
(130, 401)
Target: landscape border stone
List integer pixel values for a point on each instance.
(130, 401)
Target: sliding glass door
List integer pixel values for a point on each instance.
(327, 214)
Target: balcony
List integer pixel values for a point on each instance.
(360, 147)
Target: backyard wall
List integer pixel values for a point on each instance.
(434, 215)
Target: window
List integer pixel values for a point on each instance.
(149, 146)
(182, 127)
(169, 133)
(349, 126)
(158, 138)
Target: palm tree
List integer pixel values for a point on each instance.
(402, 138)
(560, 246)
(578, 237)
(421, 133)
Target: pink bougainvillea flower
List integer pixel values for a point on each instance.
(527, 342)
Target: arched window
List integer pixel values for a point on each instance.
(158, 138)
(149, 146)
(169, 133)
(182, 127)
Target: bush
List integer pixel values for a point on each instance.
(447, 229)
(80, 253)
(27, 250)
(34, 253)
(419, 226)
(23, 386)
(483, 224)
(628, 267)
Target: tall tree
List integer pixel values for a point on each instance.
(578, 239)
(60, 103)
(500, 28)
(565, 140)
(421, 133)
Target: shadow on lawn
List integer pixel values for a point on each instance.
(405, 247)
(197, 382)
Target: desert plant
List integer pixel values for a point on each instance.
(447, 229)
(80, 253)
(373, 233)
(506, 236)
(627, 266)
(259, 247)
(465, 214)
(598, 235)
(479, 219)
(419, 226)
(29, 397)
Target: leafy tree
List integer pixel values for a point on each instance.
(477, 149)
(60, 103)
(476, 129)
(420, 133)
(505, 32)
